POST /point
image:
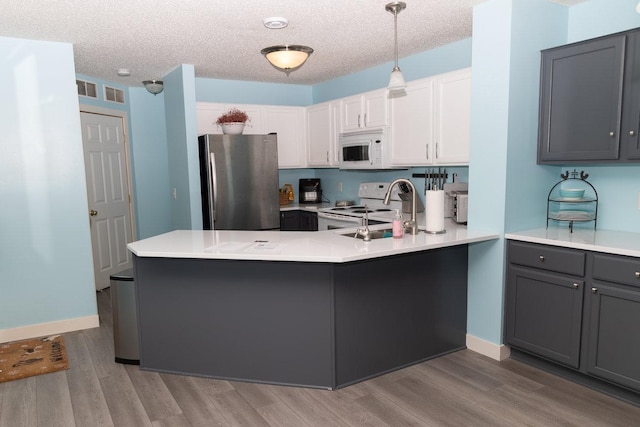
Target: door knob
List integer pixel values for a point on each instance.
(93, 213)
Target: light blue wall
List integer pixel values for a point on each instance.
(45, 243)
(350, 180)
(243, 92)
(596, 18)
(150, 163)
(488, 160)
(182, 141)
(508, 190)
(436, 61)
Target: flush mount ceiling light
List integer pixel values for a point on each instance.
(153, 86)
(275, 23)
(287, 58)
(396, 82)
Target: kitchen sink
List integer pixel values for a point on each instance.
(374, 234)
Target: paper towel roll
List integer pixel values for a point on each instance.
(434, 211)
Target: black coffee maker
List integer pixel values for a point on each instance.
(310, 190)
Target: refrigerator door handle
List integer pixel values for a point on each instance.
(213, 190)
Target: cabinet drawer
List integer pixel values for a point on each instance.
(561, 260)
(619, 269)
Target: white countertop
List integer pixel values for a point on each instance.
(612, 242)
(302, 246)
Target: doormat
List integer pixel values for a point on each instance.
(22, 359)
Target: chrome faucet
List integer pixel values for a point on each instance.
(412, 224)
(364, 232)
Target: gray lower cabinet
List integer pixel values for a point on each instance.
(577, 308)
(614, 338)
(544, 301)
(539, 303)
(310, 324)
(589, 106)
(298, 220)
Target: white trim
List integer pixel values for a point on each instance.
(489, 349)
(49, 328)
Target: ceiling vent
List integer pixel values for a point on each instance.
(113, 95)
(86, 89)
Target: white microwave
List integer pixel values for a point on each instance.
(368, 149)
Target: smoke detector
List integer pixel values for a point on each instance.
(275, 23)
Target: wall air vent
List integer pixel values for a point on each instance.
(86, 89)
(113, 95)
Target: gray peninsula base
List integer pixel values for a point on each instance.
(307, 324)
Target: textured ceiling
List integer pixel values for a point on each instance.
(223, 39)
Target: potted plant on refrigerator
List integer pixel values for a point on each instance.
(233, 121)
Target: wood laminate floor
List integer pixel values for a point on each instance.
(460, 389)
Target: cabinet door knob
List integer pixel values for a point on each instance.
(594, 290)
(612, 134)
(637, 274)
(541, 257)
(632, 133)
(576, 285)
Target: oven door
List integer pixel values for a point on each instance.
(331, 221)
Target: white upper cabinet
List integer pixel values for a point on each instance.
(322, 134)
(430, 122)
(412, 120)
(453, 117)
(367, 110)
(287, 122)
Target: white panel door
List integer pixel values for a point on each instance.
(108, 194)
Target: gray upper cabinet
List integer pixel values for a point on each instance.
(630, 138)
(590, 101)
(581, 101)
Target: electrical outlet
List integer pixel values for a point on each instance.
(340, 186)
(174, 194)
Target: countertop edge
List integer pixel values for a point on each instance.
(332, 248)
(604, 241)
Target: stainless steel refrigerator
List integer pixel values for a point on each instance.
(239, 182)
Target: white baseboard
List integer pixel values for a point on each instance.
(49, 328)
(489, 349)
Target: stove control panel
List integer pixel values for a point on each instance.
(376, 190)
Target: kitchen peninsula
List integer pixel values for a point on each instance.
(315, 309)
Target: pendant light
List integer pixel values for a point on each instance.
(396, 82)
(287, 58)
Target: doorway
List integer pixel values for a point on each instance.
(108, 191)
